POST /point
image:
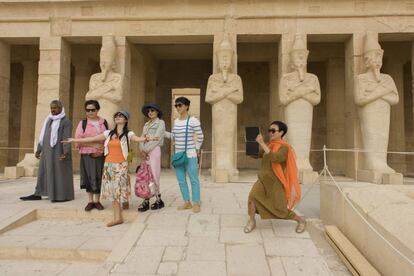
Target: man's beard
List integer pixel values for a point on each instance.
(377, 74)
(224, 74)
(301, 72)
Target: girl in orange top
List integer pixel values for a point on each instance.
(115, 179)
(277, 191)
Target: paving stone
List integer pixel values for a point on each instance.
(227, 220)
(163, 237)
(173, 254)
(201, 268)
(30, 267)
(236, 235)
(70, 242)
(18, 241)
(143, 260)
(170, 220)
(205, 249)
(266, 232)
(84, 269)
(286, 228)
(231, 211)
(305, 266)
(290, 247)
(100, 243)
(246, 259)
(204, 225)
(168, 268)
(276, 266)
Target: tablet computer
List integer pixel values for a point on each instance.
(252, 147)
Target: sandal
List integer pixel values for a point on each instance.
(249, 227)
(300, 228)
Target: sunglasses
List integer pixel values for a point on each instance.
(151, 110)
(178, 105)
(119, 115)
(90, 110)
(272, 130)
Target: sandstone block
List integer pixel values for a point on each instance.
(13, 172)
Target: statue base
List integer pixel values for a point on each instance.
(377, 177)
(224, 176)
(13, 172)
(307, 177)
(30, 164)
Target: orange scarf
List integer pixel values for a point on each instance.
(289, 178)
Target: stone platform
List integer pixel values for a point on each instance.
(390, 211)
(163, 242)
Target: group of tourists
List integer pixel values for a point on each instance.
(105, 153)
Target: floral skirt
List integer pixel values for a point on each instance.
(115, 182)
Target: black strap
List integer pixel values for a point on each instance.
(85, 122)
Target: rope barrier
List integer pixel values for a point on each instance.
(326, 170)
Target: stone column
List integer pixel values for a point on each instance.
(353, 67)
(397, 127)
(275, 106)
(4, 101)
(217, 174)
(53, 83)
(124, 68)
(80, 87)
(335, 109)
(29, 98)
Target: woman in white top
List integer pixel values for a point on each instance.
(182, 105)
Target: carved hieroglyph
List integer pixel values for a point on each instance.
(374, 94)
(106, 87)
(299, 91)
(224, 93)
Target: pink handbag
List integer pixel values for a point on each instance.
(144, 182)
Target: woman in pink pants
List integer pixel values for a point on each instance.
(152, 150)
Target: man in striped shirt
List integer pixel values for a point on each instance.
(182, 104)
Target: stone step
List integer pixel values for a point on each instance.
(350, 255)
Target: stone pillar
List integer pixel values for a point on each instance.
(54, 77)
(4, 101)
(217, 174)
(53, 84)
(82, 74)
(353, 66)
(335, 109)
(124, 68)
(28, 112)
(275, 106)
(397, 127)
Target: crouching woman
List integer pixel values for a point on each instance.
(277, 190)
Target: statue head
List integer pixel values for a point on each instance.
(372, 53)
(107, 56)
(224, 57)
(299, 55)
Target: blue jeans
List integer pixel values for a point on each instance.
(190, 168)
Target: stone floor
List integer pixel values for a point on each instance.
(171, 242)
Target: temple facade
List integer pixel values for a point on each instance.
(50, 49)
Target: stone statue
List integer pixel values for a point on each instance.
(224, 93)
(374, 94)
(106, 87)
(299, 91)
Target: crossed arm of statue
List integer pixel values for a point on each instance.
(218, 91)
(106, 90)
(310, 92)
(385, 90)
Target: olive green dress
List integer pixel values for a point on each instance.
(268, 193)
